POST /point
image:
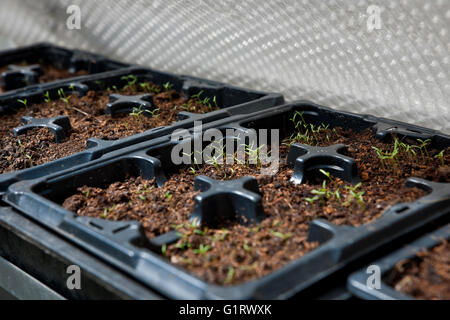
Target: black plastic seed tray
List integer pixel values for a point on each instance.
(46, 257)
(357, 282)
(124, 245)
(18, 75)
(232, 100)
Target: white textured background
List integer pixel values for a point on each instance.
(319, 50)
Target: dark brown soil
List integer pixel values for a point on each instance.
(238, 253)
(88, 119)
(51, 73)
(425, 277)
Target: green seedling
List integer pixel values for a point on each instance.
(282, 236)
(131, 81)
(386, 155)
(24, 102)
(149, 87)
(22, 152)
(323, 193)
(246, 247)
(423, 146)
(201, 232)
(440, 155)
(106, 211)
(168, 195)
(312, 200)
(183, 245)
(298, 120)
(63, 97)
(164, 249)
(222, 235)
(355, 194)
(30, 159)
(326, 174)
(138, 112)
(202, 249)
(47, 97)
(230, 275)
(256, 229)
(358, 196)
(167, 86)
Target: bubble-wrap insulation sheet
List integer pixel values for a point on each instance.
(318, 50)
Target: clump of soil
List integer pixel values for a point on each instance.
(88, 119)
(237, 253)
(425, 277)
(50, 73)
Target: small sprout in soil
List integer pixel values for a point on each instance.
(202, 249)
(143, 198)
(63, 97)
(440, 155)
(354, 194)
(300, 122)
(24, 102)
(282, 236)
(423, 146)
(230, 275)
(359, 197)
(276, 223)
(168, 195)
(86, 193)
(138, 112)
(308, 133)
(247, 247)
(222, 235)
(130, 79)
(167, 86)
(154, 113)
(47, 97)
(106, 210)
(30, 159)
(205, 101)
(197, 95)
(256, 229)
(201, 232)
(149, 87)
(312, 200)
(22, 151)
(183, 245)
(409, 149)
(386, 155)
(324, 193)
(326, 173)
(164, 249)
